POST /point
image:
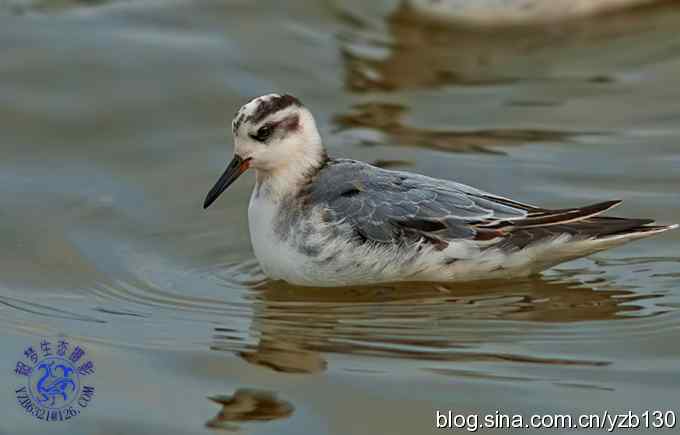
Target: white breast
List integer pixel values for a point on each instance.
(278, 259)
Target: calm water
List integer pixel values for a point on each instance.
(114, 124)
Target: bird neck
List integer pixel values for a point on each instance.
(285, 180)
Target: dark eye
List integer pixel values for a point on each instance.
(263, 133)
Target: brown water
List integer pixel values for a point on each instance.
(114, 124)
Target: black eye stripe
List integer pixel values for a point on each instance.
(263, 133)
(284, 125)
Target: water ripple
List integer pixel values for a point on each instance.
(294, 327)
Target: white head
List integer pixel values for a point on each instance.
(277, 136)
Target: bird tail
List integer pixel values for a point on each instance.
(580, 227)
(613, 229)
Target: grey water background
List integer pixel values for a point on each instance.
(114, 123)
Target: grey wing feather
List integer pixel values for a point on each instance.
(387, 206)
(392, 207)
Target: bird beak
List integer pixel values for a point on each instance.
(237, 167)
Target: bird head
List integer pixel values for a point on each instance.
(274, 134)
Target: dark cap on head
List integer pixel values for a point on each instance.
(265, 107)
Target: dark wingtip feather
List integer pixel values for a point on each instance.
(630, 227)
(652, 229)
(557, 217)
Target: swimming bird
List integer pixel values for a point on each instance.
(320, 221)
(506, 12)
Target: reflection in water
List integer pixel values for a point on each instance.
(423, 321)
(283, 355)
(247, 406)
(386, 118)
(425, 53)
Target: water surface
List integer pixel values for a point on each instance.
(115, 123)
